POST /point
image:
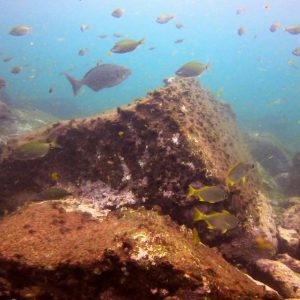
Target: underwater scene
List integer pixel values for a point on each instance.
(149, 149)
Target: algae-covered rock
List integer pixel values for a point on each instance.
(62, 253)
(150, 152)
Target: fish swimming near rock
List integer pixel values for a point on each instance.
(20, 30)
(222, 221)
(125, 46)
(33, 150)
(293, 29)
(238, 173)
(296, 51)
(100, 77)
(192, 69)
(53, 193)
(210, 194)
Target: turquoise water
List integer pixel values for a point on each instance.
(253, 69)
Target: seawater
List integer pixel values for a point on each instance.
(252, 70)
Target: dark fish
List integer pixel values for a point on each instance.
(118, 12)
(100, 77)
(84, 27)
(118, 35)
(16, 70)
(20, 30)
(2, 83)
(50, 90)
(240, 10)
(152, 48)
(179, 25)
(179, 41)
(102, 36)
(7, 59)
(83, 51)
(275, 26)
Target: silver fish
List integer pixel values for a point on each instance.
(100, 77)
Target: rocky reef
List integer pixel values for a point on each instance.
(145, 154)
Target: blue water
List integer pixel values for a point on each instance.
(252, 69)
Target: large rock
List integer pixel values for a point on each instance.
(280, 277)
(151, 151)
(289, 241)
(53, 251)
(291, 218)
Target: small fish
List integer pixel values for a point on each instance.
(84, 27)
(292, 63)
(50, 90)
(54, 177)
(241, 31)
(179, 25)
(83, 51)
(296, 51)
(100, 77)
(263, 244)
(192, 69)
(275, 26)
(222, 221)
(293, 29)
(2, 83)
(33, 150)
(16, 69)
(210, 194)
(179, 41)
(240, 10)
(53, 193)
(118, 12)
(267, 6)
(7, 59)
(152, 48)
(20, 30)
(125, 46)
(220, 92)
(164, 18)
(118, 34)
(102, 36)
(277, 101)
(238, 173)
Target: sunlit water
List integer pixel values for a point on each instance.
(257, 72)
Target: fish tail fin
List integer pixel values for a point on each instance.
(76, 84)
(191, 191)
(198, 215)
(142, 41)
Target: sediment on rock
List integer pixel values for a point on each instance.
(62, 253)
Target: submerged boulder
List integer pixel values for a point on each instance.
(63, 253)
(148, 153)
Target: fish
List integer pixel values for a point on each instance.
(220, 92)
(179, 41)
(263, 244)
(83, 51)
(20, 30)
(275, 26)
(179, 25)
(164, 18)
(2, 83)
(238, 172)
(210, 194)
(53, 193)
(51, 89)
(240, 10)
(267, 6)
(241, 31)
(102, 36)
(7, 59)
(192, 69)
(100, 77)
(54, 176)
(125, 46)
(34, 150)
(152, 48)
(118, 12)
(16, 69)
(84, 27)
(296, 51)
(293, 29)
(118, 34)
(292, 63)
(222, 221)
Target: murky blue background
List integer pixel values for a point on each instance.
(253, 69)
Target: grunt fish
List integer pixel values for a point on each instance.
(293, 29)
(210, 194)
(192, 69)
(125, 46)
(238, 173)
(164, 18)
(118, 12)
(20, 30)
